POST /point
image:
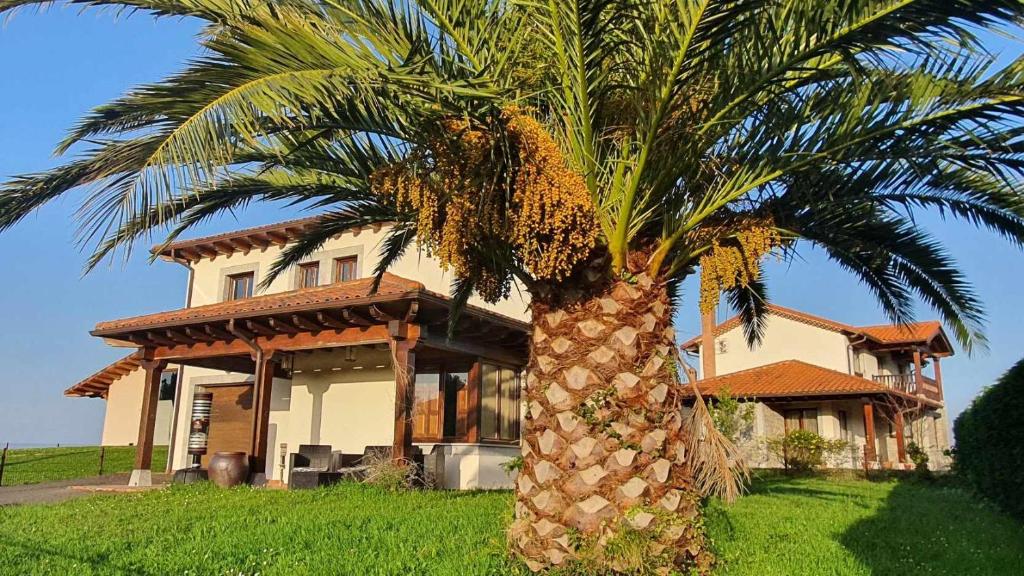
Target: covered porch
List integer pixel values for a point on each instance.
(340, 365)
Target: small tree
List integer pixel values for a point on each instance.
(920, 459)
(731, 415)
(803, 450)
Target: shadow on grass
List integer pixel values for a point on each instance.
(14, 463)
(926, 529)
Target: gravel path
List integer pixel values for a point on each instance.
(61, 490)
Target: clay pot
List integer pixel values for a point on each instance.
(229, 469)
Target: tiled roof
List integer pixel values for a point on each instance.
(207, 240)
(341, 293)
(882, 333)
(97, 384)
(789, 378)
(896, 334)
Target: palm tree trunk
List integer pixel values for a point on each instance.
(603, 457)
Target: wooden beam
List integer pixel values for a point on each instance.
(405, 384)
(277, 238)
(147, 422)
(380, 315)
(260, 328)
(163, 340)
(207, 252)
(223, 247)
(918, 376)
(282, 326)
(261, 241)
(465, 347)
(938, 374)
(305, 323)
(262, 391)
(199, 335)
(180, 337)
(140, 340)
(218, 334)
(413, 311)
(326, 320)
(353, 317)
(870, 454)
(242, 244)
(901, 446)
(283, 342)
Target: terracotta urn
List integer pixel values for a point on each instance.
(229, 468)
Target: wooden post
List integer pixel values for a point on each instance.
(405, 385)
(142, 474)
(262, 393)
(870, 453)
(901, 446)
(938, 375)
(707, 345)
(3, 462)
(404, 338)
(473, 401)
(918, 379)
(103, 450)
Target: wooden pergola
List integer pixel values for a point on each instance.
(254, 335)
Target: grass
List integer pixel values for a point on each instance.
(34, 465)
(785, 526)
(852, 527)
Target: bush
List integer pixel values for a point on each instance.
(731, 416)
(920, 459)
(803, 450)
(388, 474)
(990, 442)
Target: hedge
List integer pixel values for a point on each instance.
(990, 442)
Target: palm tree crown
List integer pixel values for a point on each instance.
(515, 139)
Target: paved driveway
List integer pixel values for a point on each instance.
(61, 490)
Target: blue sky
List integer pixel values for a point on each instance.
(59, 64)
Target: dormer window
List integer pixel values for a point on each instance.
(240, 286)
(309, 275)
(345, 269)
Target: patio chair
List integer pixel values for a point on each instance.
(311, 466)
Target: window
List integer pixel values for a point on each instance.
(456, 403)
(240, 286)
(805, 419)
(345, 269)
(440, 403)
(499, 403)
(844, 424)
(426, 405)
(168, 385)
(858, 363)
(309, 275)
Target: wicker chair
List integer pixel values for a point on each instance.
(311, 466)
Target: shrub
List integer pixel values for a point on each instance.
(731, 416)
(990, 442)
(920, 459)
(388, 474)
(803, 450)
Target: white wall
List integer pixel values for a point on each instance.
(124, 411)
(784, 339)
(210, 275)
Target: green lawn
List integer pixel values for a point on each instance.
(791, 527)
(34, 465)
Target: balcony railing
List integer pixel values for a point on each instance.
(907, 383)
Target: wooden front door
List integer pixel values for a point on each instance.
(230, 420)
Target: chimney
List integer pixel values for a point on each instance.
(707, 344)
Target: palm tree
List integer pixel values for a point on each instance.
(596, 152)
